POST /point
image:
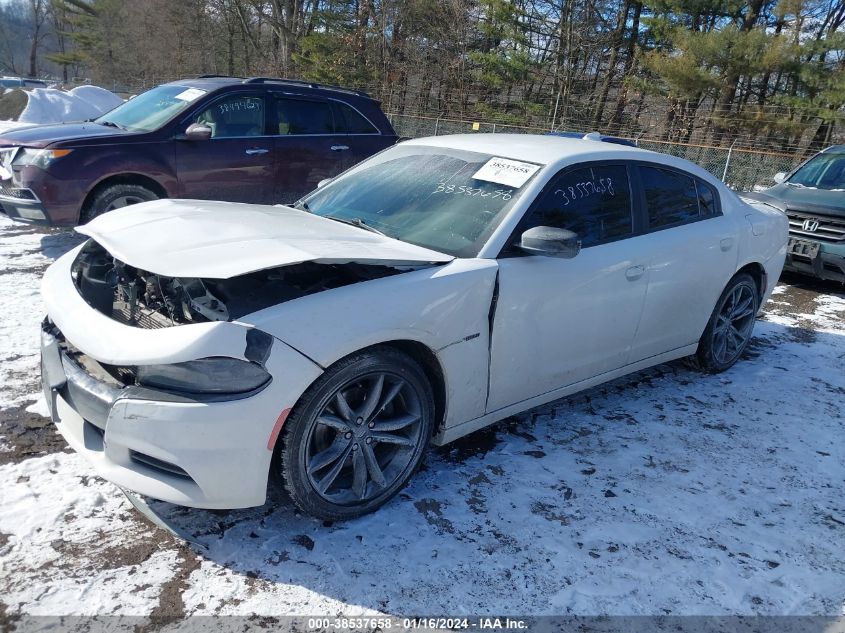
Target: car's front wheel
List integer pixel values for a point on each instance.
(357, 435)
(730, 327)
(116, 197)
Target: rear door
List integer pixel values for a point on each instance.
(693, 249)
(306, 145)
(236, 164)
(362, 136)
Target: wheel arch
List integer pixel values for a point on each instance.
(420, 352)
(759, 275)
(126, 178)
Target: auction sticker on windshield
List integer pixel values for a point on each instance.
(503, 171)
(191, 94)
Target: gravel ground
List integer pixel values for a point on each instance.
(665, 492)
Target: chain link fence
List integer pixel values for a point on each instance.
(742, 169)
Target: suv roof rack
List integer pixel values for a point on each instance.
(307, 84)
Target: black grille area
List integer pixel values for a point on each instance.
(20, 194)
(158, 464)
(143, 317)
(830, 228)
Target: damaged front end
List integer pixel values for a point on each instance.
(148, 300)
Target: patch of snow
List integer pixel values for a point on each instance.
(24, 254)
(664, 492)
(102, 99)
(49, 105)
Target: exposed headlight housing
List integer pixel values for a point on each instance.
(216, 375)
(42, 158)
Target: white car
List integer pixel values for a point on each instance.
(194, 349)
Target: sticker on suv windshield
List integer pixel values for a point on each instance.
(190, 94)
(504, 171)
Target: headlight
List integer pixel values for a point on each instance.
(42, 158)
(206, 375)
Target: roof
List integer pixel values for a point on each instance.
(215, 82)
(532, 148)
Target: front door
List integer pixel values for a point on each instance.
(561, 321)
(237, 163)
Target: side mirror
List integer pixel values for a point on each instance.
(549, 241)
(324, 182)
(779, 177)
(197, 132)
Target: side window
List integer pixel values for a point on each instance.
(671, 197)
(350, 121)
(594, 202)
(301, 116)
(708, 205)
(235, 116)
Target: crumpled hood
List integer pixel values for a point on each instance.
(219, 240)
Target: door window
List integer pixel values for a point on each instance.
(350, 121)
(300, 116)
(593, 202)
(674, 198)
(234, 117)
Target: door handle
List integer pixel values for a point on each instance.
(634, 273)
(251, 152)
(339, 148)
(726, 244)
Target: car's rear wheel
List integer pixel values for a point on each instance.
(357, 435)
(115, 197)
(730, 327)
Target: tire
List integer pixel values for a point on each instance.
(730, 327)
(357, 435)
(117, 196)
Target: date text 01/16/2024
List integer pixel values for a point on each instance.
(418, 623)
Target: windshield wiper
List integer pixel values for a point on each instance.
(798, 185)
(355, 222)
(112, 124)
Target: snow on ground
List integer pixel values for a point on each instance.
(665, 492)
(49, 105)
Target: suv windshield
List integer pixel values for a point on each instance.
(444, 199)
(825, 171)
(149, 110)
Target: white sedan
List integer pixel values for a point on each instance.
(194, 350)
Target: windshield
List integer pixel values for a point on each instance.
(444, 199)
(825, 171)
(149, 110)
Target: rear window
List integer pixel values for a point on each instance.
(350, 121)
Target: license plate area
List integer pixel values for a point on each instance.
(803, 248)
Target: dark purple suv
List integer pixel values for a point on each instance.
(217, 138)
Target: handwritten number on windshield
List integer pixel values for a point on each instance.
(504, 194)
